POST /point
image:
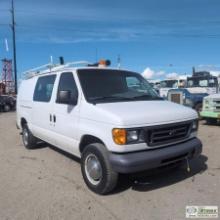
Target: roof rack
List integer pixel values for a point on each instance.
(49, 67)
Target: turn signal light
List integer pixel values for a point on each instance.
(119, 136)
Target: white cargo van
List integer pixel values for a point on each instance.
(112, 119)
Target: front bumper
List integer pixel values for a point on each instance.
(149, 159)
(210, 114)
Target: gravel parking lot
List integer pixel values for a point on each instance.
(45, 184)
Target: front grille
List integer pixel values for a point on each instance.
(165, 134)
(175, 98)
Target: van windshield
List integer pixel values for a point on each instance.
(104, 85)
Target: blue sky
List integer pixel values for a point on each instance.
(168, 36)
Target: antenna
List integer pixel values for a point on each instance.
(193, 70)
(51, 60)
(119, 62)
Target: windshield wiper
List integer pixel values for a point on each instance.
(118, 98)
(148, 97)
(121, 98)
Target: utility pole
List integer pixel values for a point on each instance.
(14, 44)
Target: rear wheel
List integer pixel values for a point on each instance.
(28, 138)
(96, 169)
(211, 121)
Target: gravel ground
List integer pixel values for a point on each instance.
(45, 184)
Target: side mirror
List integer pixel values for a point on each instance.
(64, 97)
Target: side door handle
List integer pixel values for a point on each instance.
(54, 118)
(50, 118)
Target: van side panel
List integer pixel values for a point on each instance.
(25, 101)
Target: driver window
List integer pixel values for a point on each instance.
(67, 83)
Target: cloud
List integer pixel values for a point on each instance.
(61, 35)
(171, 75)
(215, 73)
(92, 21)
(160, 73)
(150, 74)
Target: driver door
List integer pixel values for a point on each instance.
(66, 116)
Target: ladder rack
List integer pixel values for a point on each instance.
(49, 67)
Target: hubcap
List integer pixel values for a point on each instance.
(93, 169)
(25, 137)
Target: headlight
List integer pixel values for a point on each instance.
(195, 125)
(132, 136)
(123, 136)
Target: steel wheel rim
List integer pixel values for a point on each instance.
(25, 137)
(93, 169)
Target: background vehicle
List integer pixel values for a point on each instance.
(202, 82)
(199, 85)
(7, 103)
(211, 108)
(184, 97)
(168, 84)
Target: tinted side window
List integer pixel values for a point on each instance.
(44, 88)
(67, 83)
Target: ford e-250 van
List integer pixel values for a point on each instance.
(112, 119)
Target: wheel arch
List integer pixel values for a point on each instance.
(23, 121)
(89, 139)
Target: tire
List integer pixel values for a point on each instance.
(102, 180)
(211, 121)
(198, 108)
(28, 139)
(7, 108)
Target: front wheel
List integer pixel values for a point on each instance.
(96, 169)
(211, 121)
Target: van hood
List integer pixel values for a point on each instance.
(139, 113)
